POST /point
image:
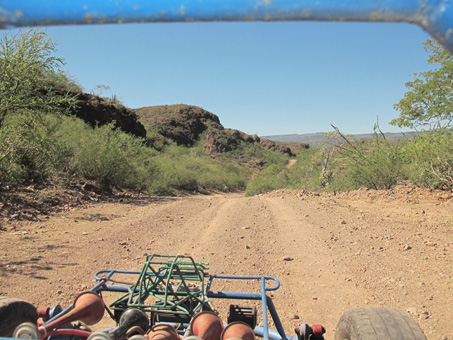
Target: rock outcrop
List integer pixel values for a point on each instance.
(186, 124)
(268, 144)
(181, 123)
(96, 111)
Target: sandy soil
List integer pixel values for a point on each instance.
(330, 252)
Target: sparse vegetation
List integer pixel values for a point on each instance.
(344, 163)
(347, 164)
(39, 139)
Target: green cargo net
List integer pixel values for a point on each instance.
(168, 284)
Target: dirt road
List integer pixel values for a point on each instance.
(330, 252)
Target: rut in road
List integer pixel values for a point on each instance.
(329, 252)
(267, 237)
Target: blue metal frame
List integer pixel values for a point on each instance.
(434, 16)
(267, 304)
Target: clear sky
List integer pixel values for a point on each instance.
(264, 78)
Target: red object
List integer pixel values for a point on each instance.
(238, 330)
(76, 332)
(318, 330)
(43, 313)
(162, 332)
(88, 308)
(207, 325)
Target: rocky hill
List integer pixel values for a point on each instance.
(97, 111)
(183, 124)
(187, 124)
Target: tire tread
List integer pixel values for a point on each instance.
(13, 312)
(377, 324)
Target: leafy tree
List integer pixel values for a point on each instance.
(28, 77)
(429, 101)
(26, 60)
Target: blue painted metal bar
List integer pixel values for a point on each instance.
(275, 317)
(59, 315)
(273, 334)
(111, 272)
(253, 296)
(434, 16)
(230, 277)
(264, 303)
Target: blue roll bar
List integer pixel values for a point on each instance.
(434, 16)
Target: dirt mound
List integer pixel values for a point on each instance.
(39, 201)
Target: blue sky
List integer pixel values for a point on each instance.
(262, 78)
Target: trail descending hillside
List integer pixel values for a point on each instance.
(330, 252)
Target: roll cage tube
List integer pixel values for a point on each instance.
(434, 16)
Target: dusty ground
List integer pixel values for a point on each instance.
(330, 252)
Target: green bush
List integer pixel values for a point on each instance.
(273, 177)
(26, 146)
(376, 164)
(27, 104)
(182, 168)
(306, 172)
(430, 160)
(110, 157)
(250, 153)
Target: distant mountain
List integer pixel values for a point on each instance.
(314, 138)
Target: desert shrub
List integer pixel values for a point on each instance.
(182, 168)
(218, 176)
(165, 177)
(27, 104)
(110, 157)
(381, 169)
(305, 173)
(67, 147)
(27, 145)
(430, 160)
(156, 140)
(250, 153)
(376, 164)
(273, 177)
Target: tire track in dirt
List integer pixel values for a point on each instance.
(329, 253)
(368, 258)
(313, 282)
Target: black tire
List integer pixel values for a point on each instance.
(13, 312)
(377, 324)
